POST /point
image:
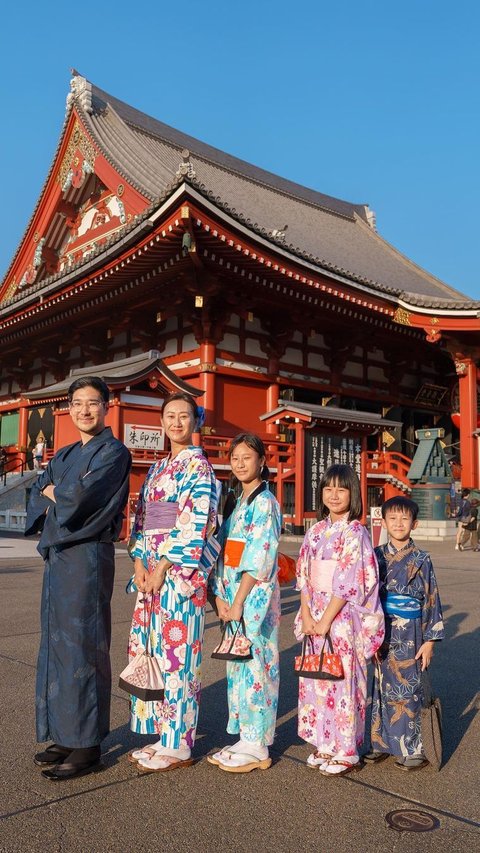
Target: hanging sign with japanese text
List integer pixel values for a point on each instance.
(144, 437)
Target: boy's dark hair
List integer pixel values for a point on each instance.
(465, 493)
(346, 479)
(403, 504)
(89, 382)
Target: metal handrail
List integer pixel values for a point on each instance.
(10, 470)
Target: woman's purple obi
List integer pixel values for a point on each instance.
(160, 516)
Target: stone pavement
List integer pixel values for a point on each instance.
(288, 808)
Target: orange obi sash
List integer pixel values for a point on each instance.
(321, 574)
(232, 554)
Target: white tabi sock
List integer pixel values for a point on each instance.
(251, 747)
(182, 753)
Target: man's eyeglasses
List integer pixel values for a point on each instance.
(76, 405)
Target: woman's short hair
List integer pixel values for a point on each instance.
(346, 478)
(254, 442)
(89, 382)
(187, 398)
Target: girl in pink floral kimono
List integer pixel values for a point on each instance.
(337, 576)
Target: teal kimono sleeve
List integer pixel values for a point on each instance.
(263, 524)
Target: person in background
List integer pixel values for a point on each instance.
(463, 517)
(470, 528)
(38, 454)
(3, 460)
(413, 627)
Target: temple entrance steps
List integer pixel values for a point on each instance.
(388, 470)
(13, 498)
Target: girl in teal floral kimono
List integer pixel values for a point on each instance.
(245, 584)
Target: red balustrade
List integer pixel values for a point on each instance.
(392, 470)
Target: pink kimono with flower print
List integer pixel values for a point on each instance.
(331, 714)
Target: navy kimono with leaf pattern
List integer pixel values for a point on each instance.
(397, 689)
(79, 528)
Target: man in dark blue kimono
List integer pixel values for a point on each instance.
(78, 504)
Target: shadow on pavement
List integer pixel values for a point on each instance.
(458, 664)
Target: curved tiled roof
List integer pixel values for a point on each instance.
(329, 231)
(117, 374)
(332, 234)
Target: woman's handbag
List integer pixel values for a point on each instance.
(431, 724)
(234, 645)
(143, 677)
(326, 665)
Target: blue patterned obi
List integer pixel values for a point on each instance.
(405, 606)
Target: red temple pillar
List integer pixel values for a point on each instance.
(299, 478)
(280, 488)
(363, 479)
(23, 430)
(208, 358)
(467, 381)
(114, 410)
(272, 403)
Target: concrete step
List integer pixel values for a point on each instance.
(15, 480)
(436, 531)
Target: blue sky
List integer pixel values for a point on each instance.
(376, 102)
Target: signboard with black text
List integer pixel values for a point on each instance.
(321, 451)
(137, 437)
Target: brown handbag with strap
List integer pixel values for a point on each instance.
(431, 723)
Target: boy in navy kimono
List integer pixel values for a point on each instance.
(78, 503)
(413, 625)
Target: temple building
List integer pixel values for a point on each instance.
(162, 263)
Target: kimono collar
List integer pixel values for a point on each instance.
(258, 491)
(342, 520)
(105, 435)
(233, 502)
(191, 449)
(392, 550)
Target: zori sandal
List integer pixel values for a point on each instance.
(163, 763)
(349, 768)
(216, 758)
(413, 763)
(142, 754)
(242, 762)
(374, 757)
(317, 759)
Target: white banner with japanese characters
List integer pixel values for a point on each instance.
(138, 437)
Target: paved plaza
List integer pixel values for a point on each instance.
(287, 808)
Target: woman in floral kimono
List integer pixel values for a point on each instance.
(338, 579)
(175, 517)
(246, 586)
